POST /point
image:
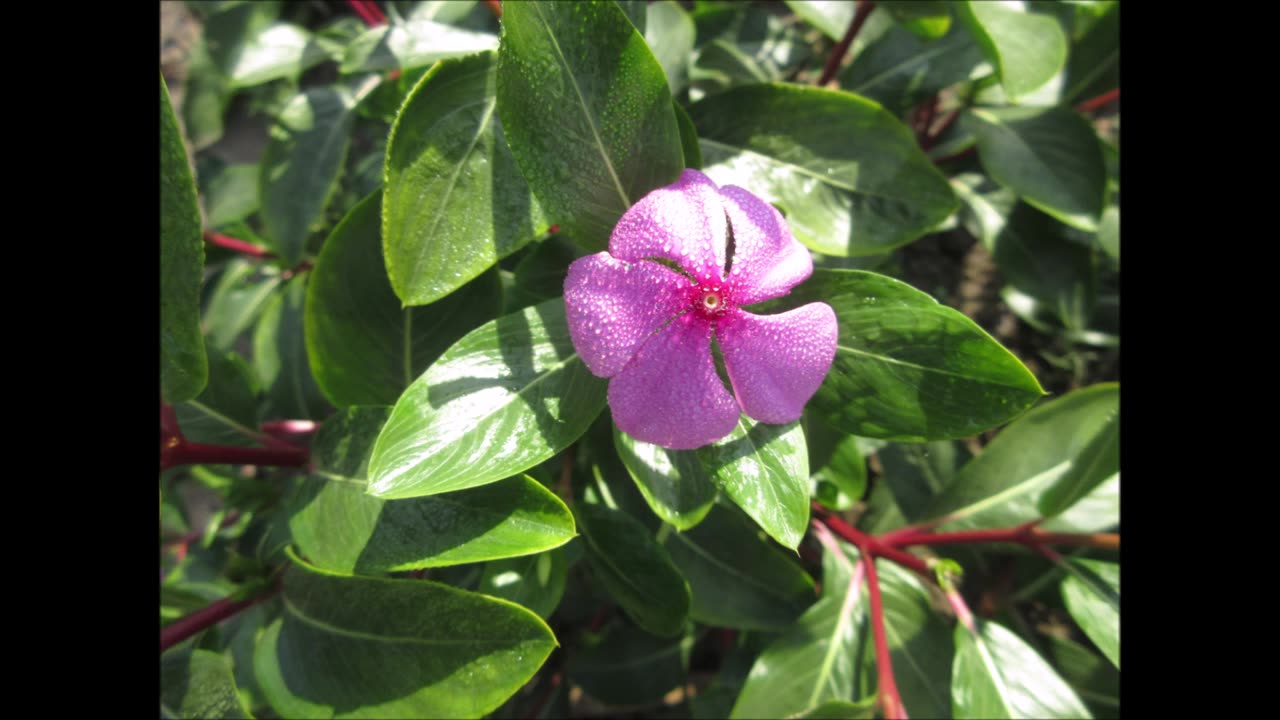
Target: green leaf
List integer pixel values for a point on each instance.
(832, 18)
(542, 271)
(900, 70)
(586, 108)
(1036, 258)
(369, 647)
(669, 31)
(1095, 680)
(206, 95)
(230, 194)
(1109, 232)
(764, 469)
(226, 412)
(412, 44)
(1098, 461)
(916, 473)
(928, 19)
(509, 395)
(634, 569)
(688, 138)
(839, 471)
(280, 357)
(1094, 64)
(301, 164)
(278, 51)
(1049, 156)
(920, 643)
(841, 710)
(344, 530)
(1027, 49)
(534, 581)
(814, 660)
(908, 368)
(673, 482)
(637, 12)
(364, 347)
(737, 578)
(198, 684)
(627, 666)
(1092, 595)
(455, 202)
(849, 176)
(997, 675)
(1002, 486)
(183, 370)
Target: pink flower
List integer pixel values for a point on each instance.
(649, 328)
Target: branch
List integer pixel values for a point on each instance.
(1100, 101)
(1022, 535)
(495, 7)
(206, 617)
(837, 54)
(869, 545)
(284, 430)
(240, 246)
(189, 453)
(890, 700)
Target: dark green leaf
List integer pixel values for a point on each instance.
(920, 643)
(1094, 65)
(997, 675)
(534, 581)
(277, 51)
(838, 469)
(228, 25)
(673, 482)
(1035, 257)
(929, 19)
(542, 271)
(637, 12)
(1049, 156)
(916, 473)
(198, 684)
(238, 297)
(183, 371)
(412, 44)
(812, 662)
(344, 530)
(509, 395)
(716, 700)
(635, 569)
(455, 202)
(1027, 49)
(364, 347)
(368, 647)
(230, 194)
(586, 108)
(985, 206)
(899, 69)
(1002, 486)
(849, 175)
(627, 666)
(841, 710)
(206, 94)
(226, 412)
(1092, 596)
(280, 357)
(670, 33)
(908, 368)
(688, 138)
(1095, 680)
(1097, 462)
(300, 166)
(737, 578)
(764, 469)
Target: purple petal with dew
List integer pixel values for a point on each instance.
(670, 394)
(683, 222)
(777, 362)
(767, 259)
(613, 306)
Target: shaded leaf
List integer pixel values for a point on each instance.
(226, 412)
(900, 69)
(198, 684)
(534, 581)
(627, 666)
(920, 643)
(280, 356)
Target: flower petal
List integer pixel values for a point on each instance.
(767, 259)
(670, 394)
(614, 306)
(777, 362)
(683, 222)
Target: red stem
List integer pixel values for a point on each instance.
(360, 10)
(240, 246)
(169, 424)
(189, 453)
(890, 700)
(1022, 535)
(495, 7)
(837, 54)
(375, 12)
(956, 156)
(1102, 100)
(214, 613)
(286, 430)
(869, 545)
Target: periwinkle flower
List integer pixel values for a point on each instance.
(648, 327)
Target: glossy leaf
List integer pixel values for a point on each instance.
(764, 469)
(815, 660)
(509, 395)
(1002, 486)
(669, 31)
(370, 647)
(280, 356)
(455, 202)
(1049, 156)
(997, 675)
(899, 69)
(1092, 595)
(533, 581)
(832, 18)
(183, 370)
(737, 578)
(277, 51)
(849, 176)
(838, 470)
(364, 347)
(344, 530)
(198, 684)
(411, 44)
(908, 368)
(1097, 462)
(1028, 49)
(627, 666)
(920, 643)
(587, 111)
(300, 166)
(635, 569)
(673, 482)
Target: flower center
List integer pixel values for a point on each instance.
(711, 301)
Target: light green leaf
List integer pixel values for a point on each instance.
(669, 31)
(230, 194)
(1027, 49)
(1092, 595)
(997, 675)
(928, 19)
(841, 710)
(411, 44)
(277, 51)
(673, 482)
(198, 684)
(832, 18)
(1096, 463)
(764, 469)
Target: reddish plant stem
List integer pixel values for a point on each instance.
(360, 10)
(1022, 535)
(375, 12)
(598, 620)
(495, 7)
(961, 609)
(240, 246)
(214, 613)
(1100, 101)
(956, 156)
(870, 545)
(169, 424)
(890, 700)
(286, 430)
(837, 54)
(189, 453)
